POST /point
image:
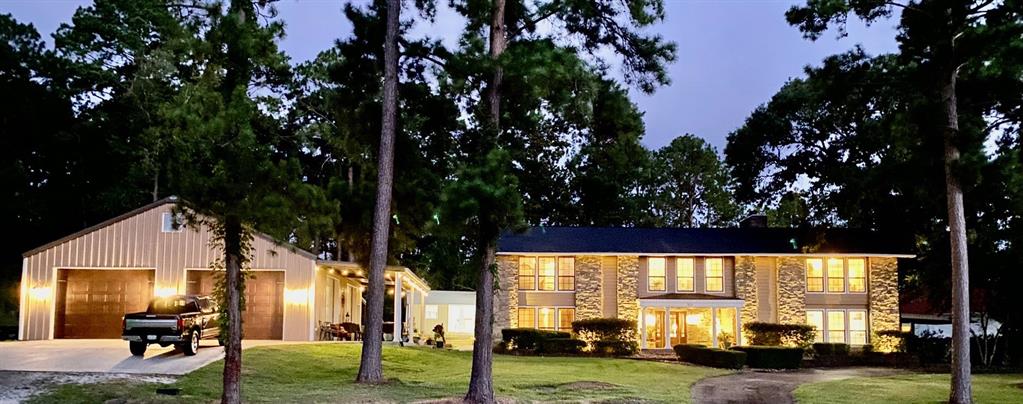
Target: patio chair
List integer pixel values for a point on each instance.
(353, 330)
(336, 331)
(323, 331)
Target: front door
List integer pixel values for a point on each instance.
(678, 327)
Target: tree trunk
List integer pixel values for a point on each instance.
(961, 383)
(233, 284)
(370, 367)
(481, 386)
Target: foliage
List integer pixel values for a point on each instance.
(560, 346)
(529, 339)
(826, 349)
(772, 357)
(772, 334)
(605, 329)
(713, 357)
(615, 347)
(691, 185)
(930, 347)
(891, 340)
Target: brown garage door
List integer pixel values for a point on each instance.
(263, 317)
(91, 302)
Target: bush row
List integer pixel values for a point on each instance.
(772, 334)
(713, 357)
(772, 357)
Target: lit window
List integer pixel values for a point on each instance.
(545, 318)
(430, 311)
(836, 326)
(171, 223)
(857, 327)
(655, 274)
(565, 319)
(684, 275)
(836, 276)
(566, 273)
(857, 275)
(548, 271)
(715, 279)
(527, 317)
(527, 273)
(816, 319)
(815, 275)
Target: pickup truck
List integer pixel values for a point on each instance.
(181, 320)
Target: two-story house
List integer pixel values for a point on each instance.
(688, 285)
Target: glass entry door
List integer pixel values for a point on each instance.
(678, 327)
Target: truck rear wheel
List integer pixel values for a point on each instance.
(137, 348)
(192, 346)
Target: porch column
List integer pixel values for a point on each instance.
(642, 327)
(738, 331)
(666, 332)
(397, 307)
(714, 327)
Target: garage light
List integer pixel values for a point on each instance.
(40, 293)
(165, 292)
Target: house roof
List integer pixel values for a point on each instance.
(720, 241)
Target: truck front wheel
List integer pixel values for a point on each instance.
(137, 348)
(192, 346)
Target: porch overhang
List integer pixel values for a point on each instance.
(690, 300)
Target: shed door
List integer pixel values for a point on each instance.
(91, 302)
(263, 317)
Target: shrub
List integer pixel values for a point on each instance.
(615, 348)
(561, 346)
(824, 349)
(772, 357)
(772, 334)
(528, 338)
(605, 329)
(931, 347)
(891, 340)
(717, 358)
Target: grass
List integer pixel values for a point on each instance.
(910, 388)
(324, 373)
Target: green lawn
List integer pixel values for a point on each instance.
(324, 373)
(910, 388)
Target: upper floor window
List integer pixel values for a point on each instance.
(656, 278)
(715, 280)
(566, 273)
(527, 273)
(548, 270)
(546, 273)
(836, 275)
(171, 223)
(684, 275)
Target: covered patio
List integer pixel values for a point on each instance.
(689, 318)
(340, 302)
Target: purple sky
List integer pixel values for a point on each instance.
(732, 54)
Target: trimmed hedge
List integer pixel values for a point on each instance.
(891, 340)
(772, 334)
(825, 349)
(605, 329)
(529, 338)
(561, 346)
(772, 357)
(615, 348)
(713, 357)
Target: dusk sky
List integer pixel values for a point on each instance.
(732, 54)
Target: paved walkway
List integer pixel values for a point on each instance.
(771, 387)
(107, 356)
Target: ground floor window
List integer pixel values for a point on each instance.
(665, 327)
(546, 318)
(848, 326)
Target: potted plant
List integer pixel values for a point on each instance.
(415, 336)
(438, 335)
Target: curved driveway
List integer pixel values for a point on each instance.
(770, 387)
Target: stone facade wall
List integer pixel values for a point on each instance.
(884, 294)
(628, 278)
(791, 290)
(506, 297)
(746, 287)
(589, 295)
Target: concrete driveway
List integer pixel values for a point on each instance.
(107, 356)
